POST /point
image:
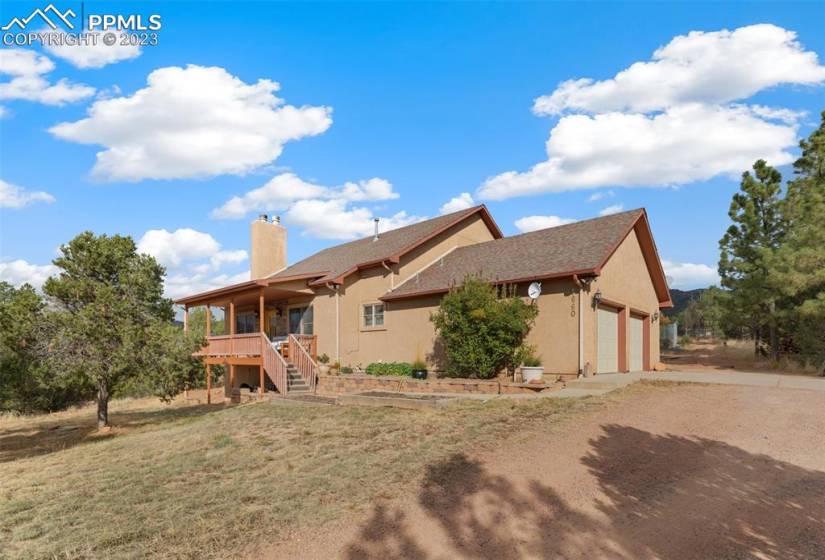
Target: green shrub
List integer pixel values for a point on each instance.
(531, 360)
(482, 328)
(323, 358)
(390, 368)
(346, 369)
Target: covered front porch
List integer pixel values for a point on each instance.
(262, 334)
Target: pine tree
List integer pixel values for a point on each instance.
(798, 266)
(746, 251)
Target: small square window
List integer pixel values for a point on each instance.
(374, 315)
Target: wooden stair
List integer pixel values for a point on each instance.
(295, 383)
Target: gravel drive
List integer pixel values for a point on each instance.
(680, 472)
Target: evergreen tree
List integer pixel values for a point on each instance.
(26, 383)
(798, 266)
(746, 251)
(113, 324)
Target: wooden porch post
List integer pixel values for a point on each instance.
(185, 318)
(261, 310)
(232, 326)
(208, 320)
(208, 383)
(261, 325)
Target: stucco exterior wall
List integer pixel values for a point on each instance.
(407, 333)
(626, 280)
(556, 333)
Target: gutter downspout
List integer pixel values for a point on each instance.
(335, 288)
(581, 323)
(392, 274)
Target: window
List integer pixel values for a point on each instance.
(246, 323)
(301, 320)
(374, 315)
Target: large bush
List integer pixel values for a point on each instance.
(483, 328)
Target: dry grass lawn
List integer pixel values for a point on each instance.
(705, 355)
(197, 481)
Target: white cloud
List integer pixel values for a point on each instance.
(26, 70)
(612, 209)
(687, 276)
(19, 272)
(596, 196)
(12, 196)
(195, 260)
(283, 190)
(174, 248)
(533, 223)
(787, 116)
(460, 202)
(681, 145)
(192, 122)
(275, 196)
(371, 189)
(322, 212)
(705, 67)
(334, 219)
(671, 120)
(182, 285)
(92, 55)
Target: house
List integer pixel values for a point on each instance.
(370, 300)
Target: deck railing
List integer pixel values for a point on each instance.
(308, 342)
(302, 350)
(248, 344)
(274, 364)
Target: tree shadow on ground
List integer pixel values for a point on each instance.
(661, 497)
(44, 436)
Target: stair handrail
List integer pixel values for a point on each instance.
(274, 364)
(302, 360)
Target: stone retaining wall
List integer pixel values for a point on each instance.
(355, 383)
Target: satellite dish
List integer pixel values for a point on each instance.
(534, 291)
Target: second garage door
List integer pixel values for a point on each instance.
(608, 344)
(636, 343)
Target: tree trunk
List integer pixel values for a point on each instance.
(102, 405)
(774, 338)
(756, 339)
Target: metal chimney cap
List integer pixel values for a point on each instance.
(263, 217)
(276, 219)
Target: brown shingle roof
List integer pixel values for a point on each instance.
(332, 264)
(580, 247)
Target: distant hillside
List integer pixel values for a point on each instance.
(680, 300)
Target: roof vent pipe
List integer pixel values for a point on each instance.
(375, 235)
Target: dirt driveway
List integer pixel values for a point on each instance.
(678, 472)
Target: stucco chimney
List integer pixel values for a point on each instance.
(268, 247)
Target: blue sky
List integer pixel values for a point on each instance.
(412, 105)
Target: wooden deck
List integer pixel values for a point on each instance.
(255, 349)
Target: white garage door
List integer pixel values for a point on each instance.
(636, 344)
(608, 346)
